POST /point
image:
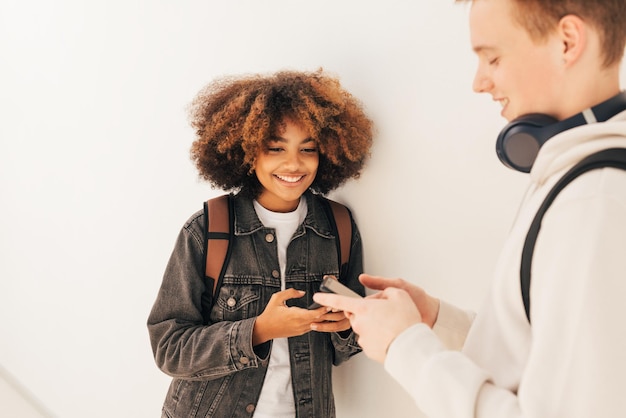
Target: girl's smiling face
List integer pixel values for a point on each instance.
(286, 167)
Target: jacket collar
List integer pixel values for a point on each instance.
(247, 221)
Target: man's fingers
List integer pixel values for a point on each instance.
(338, 302)
(378, 283)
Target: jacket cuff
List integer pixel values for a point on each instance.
(242, 353)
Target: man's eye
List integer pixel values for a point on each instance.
(494, 61)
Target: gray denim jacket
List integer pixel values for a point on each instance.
(216, 370)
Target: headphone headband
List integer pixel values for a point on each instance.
(519, 141)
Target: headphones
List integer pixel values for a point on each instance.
(519, 142)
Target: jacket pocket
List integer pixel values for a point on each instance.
(198, 398)
(236, 302)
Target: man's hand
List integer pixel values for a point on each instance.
(377, 319)
(426, 304)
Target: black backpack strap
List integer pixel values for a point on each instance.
(614, 157)
(219, 220)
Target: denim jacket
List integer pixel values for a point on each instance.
(216, 371)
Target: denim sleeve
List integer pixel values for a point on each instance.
(183, 345)
(345, 344)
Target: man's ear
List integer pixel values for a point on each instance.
(573, 33)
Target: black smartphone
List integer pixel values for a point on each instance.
(331, 285)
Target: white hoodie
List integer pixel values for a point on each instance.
(571, 362)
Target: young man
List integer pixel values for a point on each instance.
(558, 58)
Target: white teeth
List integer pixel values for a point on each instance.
(290, 179)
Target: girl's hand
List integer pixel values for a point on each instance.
(331, 322)
(281, 321)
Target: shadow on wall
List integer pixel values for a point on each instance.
(17, 401)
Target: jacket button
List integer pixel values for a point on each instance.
(275, 274)
(269, 237)
(250, 408)
(231, 302)
(244, 360)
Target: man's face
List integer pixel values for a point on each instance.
(523, 74)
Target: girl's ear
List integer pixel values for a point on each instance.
(573, 33)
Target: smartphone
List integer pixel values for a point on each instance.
(331, 285)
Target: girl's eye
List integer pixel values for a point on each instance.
(274, 149)
(310, 150)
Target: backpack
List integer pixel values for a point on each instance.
(219, 218)
(614, 157)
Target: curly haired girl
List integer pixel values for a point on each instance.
(279, 143)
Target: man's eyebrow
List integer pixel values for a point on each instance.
(483, 48)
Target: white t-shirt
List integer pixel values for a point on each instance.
(276, 399)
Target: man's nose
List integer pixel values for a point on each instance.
(482, 83)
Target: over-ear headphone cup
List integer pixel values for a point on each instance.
(519, 142)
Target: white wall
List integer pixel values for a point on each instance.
(95, 179)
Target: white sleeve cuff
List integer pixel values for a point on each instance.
(442, 382)
(452, 325)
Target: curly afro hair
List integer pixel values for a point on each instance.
(234, 117)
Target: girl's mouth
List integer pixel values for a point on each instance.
(289, 179)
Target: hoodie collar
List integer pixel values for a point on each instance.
(567, 148)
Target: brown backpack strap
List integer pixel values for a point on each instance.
(344, 230)
(218, 237)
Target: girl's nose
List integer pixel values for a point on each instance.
(293, 160)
